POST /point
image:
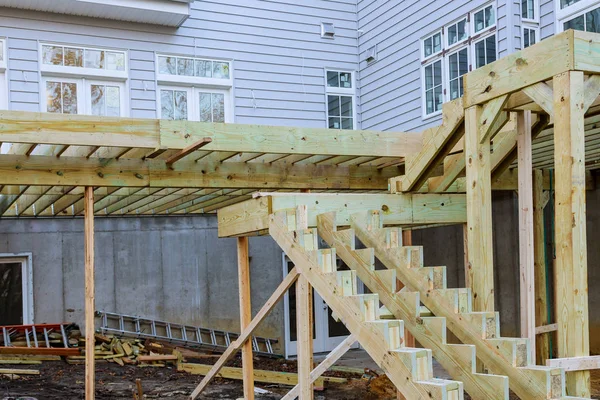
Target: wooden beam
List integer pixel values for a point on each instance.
(533, 64)
(479, 213)
(409, 339)
(526, 252)
(79, 171)
(591, 92)
(324, 365)
(152, 134)
(283, 287)
(245, 315)
(540, 330)
(575, 363)
(252, 216)
(187, 151)
(570, 235)
(54, 351)
(304, 326)
(542, 94)
(491, 114)
(90, 307)
(539, 251)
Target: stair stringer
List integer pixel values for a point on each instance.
(430, 332)
(528, 381)
(399, 364)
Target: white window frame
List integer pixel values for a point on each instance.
(486, 30)
(177, 80)
(424, 91)
(433, 55)
(534, 28)
(446, 66)
(4, 77)
(451, 47)
(573, 11)
(26, 261)
(477, 40)
(536, 10)
(84, 100)
(193, 112)
(338, 91)
(61, 70)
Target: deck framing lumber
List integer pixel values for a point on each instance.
(245, 315)
(90, 307)
(570, 235)
(304, 326)
(539, 250)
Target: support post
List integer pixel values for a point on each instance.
(89, 294)
(539, 254)
(409, 339)
(305, 337)
(479, 214)
(526, 256)
(245, 315)
(570, 235)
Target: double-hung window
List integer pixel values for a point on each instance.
(195, 89)
(530, 22)
(3, 82)
(451, 52)
(341, 113)
(83, 80)
(581, 15)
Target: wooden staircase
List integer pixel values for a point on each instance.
(410, 369)
(448, 309)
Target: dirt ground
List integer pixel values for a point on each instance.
(61, 381)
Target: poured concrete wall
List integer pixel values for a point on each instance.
(170, 268)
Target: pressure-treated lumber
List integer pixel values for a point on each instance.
(283, 287)
(245, 314)
(324, 365)
(80, 130)
(479, 213)
(5, 371)
(252, 216)
(90, 307)
(50, 351)
(571, 286)
(591, 92)
(187, 151)
(304, 326)
(77, 171)
(542, 94)
(491, 116)
(539, 250)
(526, 251)
(274, 377)
(575, 363)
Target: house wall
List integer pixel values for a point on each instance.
(278, 54)
(174, 269)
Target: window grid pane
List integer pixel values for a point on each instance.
(528, 9)
(567, 3)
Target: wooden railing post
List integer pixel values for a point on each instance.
(304, 337)
(89, 294)
(245, 315)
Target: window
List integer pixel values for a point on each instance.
(582, 15)
(3, 82)
(195, 89)
(529, 36)
(83, 80)
(340, 100)
(450, 53)
(529, 10)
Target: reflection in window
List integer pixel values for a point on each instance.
(173, 104)
(340, 112)
(339, 79)
(458, 65)
(589, 22)
(485, 51)
(528, 9)
(433, 87)
(484, 18)
(106, 100)
(567, 3)
(529, 37)
(457, 32)
(69, 56)
(212, 107)
(432, 45)
(187, 66)
(61, 97)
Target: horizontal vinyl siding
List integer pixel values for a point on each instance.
(547, 18)
(278, 54)
(391, 86)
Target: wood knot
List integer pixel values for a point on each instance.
(492, 74)
(488, 89)
(521, 62)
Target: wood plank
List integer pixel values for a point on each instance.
(90, 307)
(187, 151)
(479, 213)
(526, 227)
(51, 351)
(491, 114)
(586, 51)
(571, 287)
(575, 363)
(245, 314)
(519, 69)
(160, 357)
(540, 330)
(539, 249)
(251, 217)
(304, 327)
(324, 365)
(274, 377)
(542, 94)
(7, 371)
(283, 287)
(592, 91)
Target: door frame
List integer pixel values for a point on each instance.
(26, 261)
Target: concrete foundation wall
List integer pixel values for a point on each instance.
(170, 268)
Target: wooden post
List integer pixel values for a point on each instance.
(479, 213)
(245, 315)
(304, 337)
(539, 252)
(89, 294)
(570, 235)
(526, 258)
(409, 339)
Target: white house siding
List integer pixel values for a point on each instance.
(278, 54)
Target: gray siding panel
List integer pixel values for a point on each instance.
(548, 18)
(278, 54)
(391, 87)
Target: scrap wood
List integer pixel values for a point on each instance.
(19, 371)
(161, 357)
(56, 351)
(24, 362)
